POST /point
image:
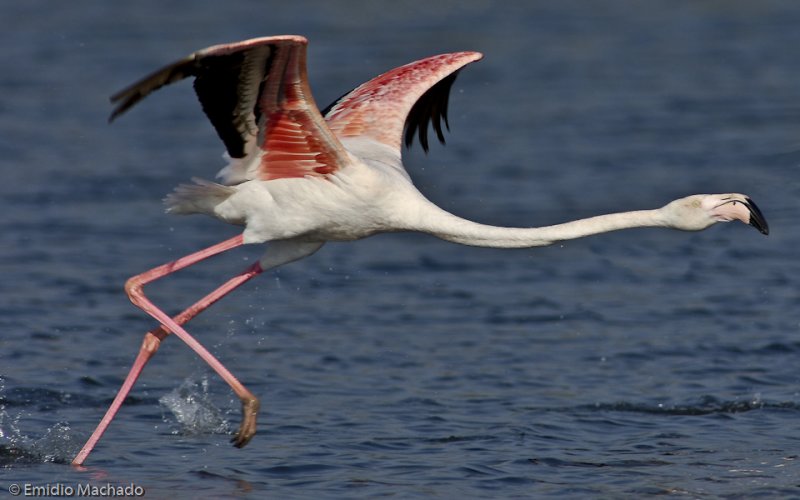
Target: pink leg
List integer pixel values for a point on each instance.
(152, 340)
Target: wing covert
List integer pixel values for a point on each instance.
(257, 97)
(404, 100)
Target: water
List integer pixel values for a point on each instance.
(635, 363)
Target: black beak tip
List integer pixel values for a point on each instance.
(757, 219)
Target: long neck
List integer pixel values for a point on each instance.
(449, 227)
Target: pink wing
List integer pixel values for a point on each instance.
(408, 97)
(256, 95)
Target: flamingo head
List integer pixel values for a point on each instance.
(700, 211)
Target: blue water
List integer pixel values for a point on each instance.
(623, 365)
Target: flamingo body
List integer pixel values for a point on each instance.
(297, 177)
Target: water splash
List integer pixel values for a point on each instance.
(193, 409)
(9, 426)
(57, 445)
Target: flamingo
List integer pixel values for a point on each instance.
(297, 177)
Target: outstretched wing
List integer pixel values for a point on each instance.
(407, 99)
(257, 97)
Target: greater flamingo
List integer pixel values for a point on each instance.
(298, 177)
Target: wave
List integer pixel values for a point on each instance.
(704, 406)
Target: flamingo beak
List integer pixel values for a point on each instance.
(757, 219)
(741, 208)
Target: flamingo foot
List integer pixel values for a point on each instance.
(247, 429)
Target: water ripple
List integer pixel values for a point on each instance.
(706, 406)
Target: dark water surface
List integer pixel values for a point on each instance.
(635, 363)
